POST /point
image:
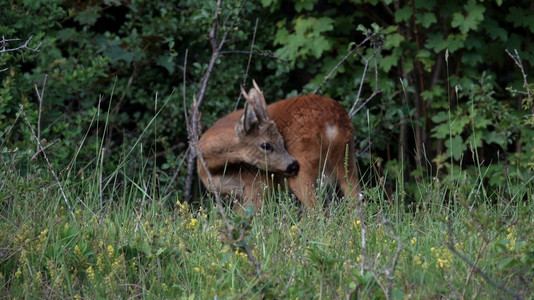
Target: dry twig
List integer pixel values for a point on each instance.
(517, 60)
(473, 266)
(376, 48)
(40, 147)
(248, 63)
(24, 46)
(342, 61)
(194, 132)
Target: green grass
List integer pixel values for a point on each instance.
(138, 244)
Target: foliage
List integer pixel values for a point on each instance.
(446, 149)
(123, 62)
(133, 245)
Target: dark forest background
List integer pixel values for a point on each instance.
(448, 98)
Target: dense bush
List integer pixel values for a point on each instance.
(112, 65)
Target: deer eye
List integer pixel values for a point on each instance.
(266, 147)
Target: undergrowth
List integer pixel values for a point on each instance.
(125, 241)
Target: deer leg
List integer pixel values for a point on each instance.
(229, 184)
(347, 179)
(303, 186)
(250, 194)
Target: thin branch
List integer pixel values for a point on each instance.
(292, 275)
(258, 53)
(177, 172)
(44, 148)
(47, 161)
(353, 109)
(472, 269)
(364, 234)
(40, 96)
(194, 125)
(390, 272)
(353, 113)
(184, 93)
(24, 46)
(248, 63)
(342, 61)
(195, 113)
(467, 261)
(517, 59)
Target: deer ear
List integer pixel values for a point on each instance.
(247, 122)
(257, 99)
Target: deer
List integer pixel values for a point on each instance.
(290, 142)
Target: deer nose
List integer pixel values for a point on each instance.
(293, 168)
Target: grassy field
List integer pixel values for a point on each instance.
(118, 238)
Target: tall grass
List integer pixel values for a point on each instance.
(124, 239)
(137, 246)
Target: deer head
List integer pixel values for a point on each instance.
(260, 140)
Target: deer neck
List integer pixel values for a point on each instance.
(222, 150)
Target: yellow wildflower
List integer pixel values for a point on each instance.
(90, 273)
(240, 254)
(418, 259)
(111, 251)
(77, 251)
(193, 223)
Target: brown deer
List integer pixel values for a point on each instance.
(295, 139)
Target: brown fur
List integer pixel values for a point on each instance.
(315, 131)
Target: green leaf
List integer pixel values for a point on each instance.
(307, 39)
(475, 139)
(403, 14)
(455, 147)
(473, 16)
(458, 125)
(441, 116)
(494, 30)
(521, 17)
(425, 4)
(426, 58)
(166, 62)
(388, 61)
(304, 4)
(89, 16)
(495, 137)
(472, 58)
(427, 19)
(438, 43)
(393, 41)
(505, 262)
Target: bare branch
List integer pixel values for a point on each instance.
(390, 272)
(364, 235)
(376, 49)
(176, 172)
(4, 48)
(467, 261)
(248, 63)
(47, 161)
(40, 97)
(194, 125)
(194, 133)
(517, 59)
(44, 148)
(258, 53)
(342, 61)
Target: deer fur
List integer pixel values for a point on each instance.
(295, 139)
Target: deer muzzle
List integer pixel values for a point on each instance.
(292, 169)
